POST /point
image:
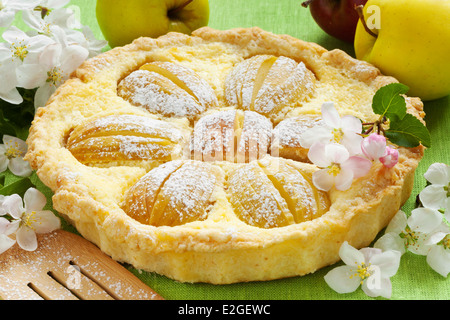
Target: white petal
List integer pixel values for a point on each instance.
(350, 255)
(26, 239)
(315, 134)
(6, 18)
(342, 279)
(439, 260)
(34, 200)
(50, 56)
(344, 180)
(387, 261)
(4, 223)
(45, 221)
(398, 223)
(5, 243)
(20, 167)
(351, 124)
(358, 165)
(72, 57)
(13, 96)
(30, 76)
(42, 95)
(336, 153)
(322, 180)
(368, 253)
(390, 241)
(352, 142)
(3, 162)
(424, 220)
(317, 155)
(438, 173)
(16, 143)
(377, 287)
(13, 206)
(433, 196)
(330, 115)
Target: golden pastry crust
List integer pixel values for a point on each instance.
(221, 248)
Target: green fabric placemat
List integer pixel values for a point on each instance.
(414, 279)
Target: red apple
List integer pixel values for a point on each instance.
(338, 18)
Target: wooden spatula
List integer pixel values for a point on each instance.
(66, 266)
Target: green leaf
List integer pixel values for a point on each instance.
(19, 186)
(409, 132)
(388, 102)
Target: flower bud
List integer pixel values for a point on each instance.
(391, 157)
(374, 146)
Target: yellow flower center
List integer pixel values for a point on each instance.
(29, 219)
(54, 76)
(12, 150)
(363, 271)
(446, 242)
(19, 51)
(334, 169)
(337, 135)
(410, 236)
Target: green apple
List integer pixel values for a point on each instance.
(122, 21)
(411, 43)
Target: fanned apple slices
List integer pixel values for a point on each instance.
(174, 193)
(231, 135)
(267, 84)
(286, 136)
(123, 138)
(167, 89)
(271, 193)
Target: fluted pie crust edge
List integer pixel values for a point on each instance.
(208, 251)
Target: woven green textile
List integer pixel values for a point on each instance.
(415, 279)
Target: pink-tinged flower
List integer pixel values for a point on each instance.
(375, 148)
(338, 167)
(344, 130)
(391, 158)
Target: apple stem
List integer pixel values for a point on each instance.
(174, 11)
(359, 10)
(306, 3)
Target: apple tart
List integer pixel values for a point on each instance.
(180, 155)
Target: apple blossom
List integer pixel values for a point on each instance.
(370, 268)
(410, 233)
(436, 194)
(29, 217)
(338, 168)
(9, 82)
(438, 258)
(390, 159)
(9, 8)
(56, 63)
(20, 47)
(345, 130)
(12, 152)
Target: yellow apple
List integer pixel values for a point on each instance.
(411, 43)
(122, 21)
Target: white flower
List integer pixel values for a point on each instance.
(86, 39)
(6, 242)
(12, 152)
(338, 168)
(56, 63)
(438, 258)
(8, 9)
(437, 193)
(9, 82)
(58, 18)
(369, 268)
(345, 130)
(31, 218)
(21, 48)
(410, 233)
